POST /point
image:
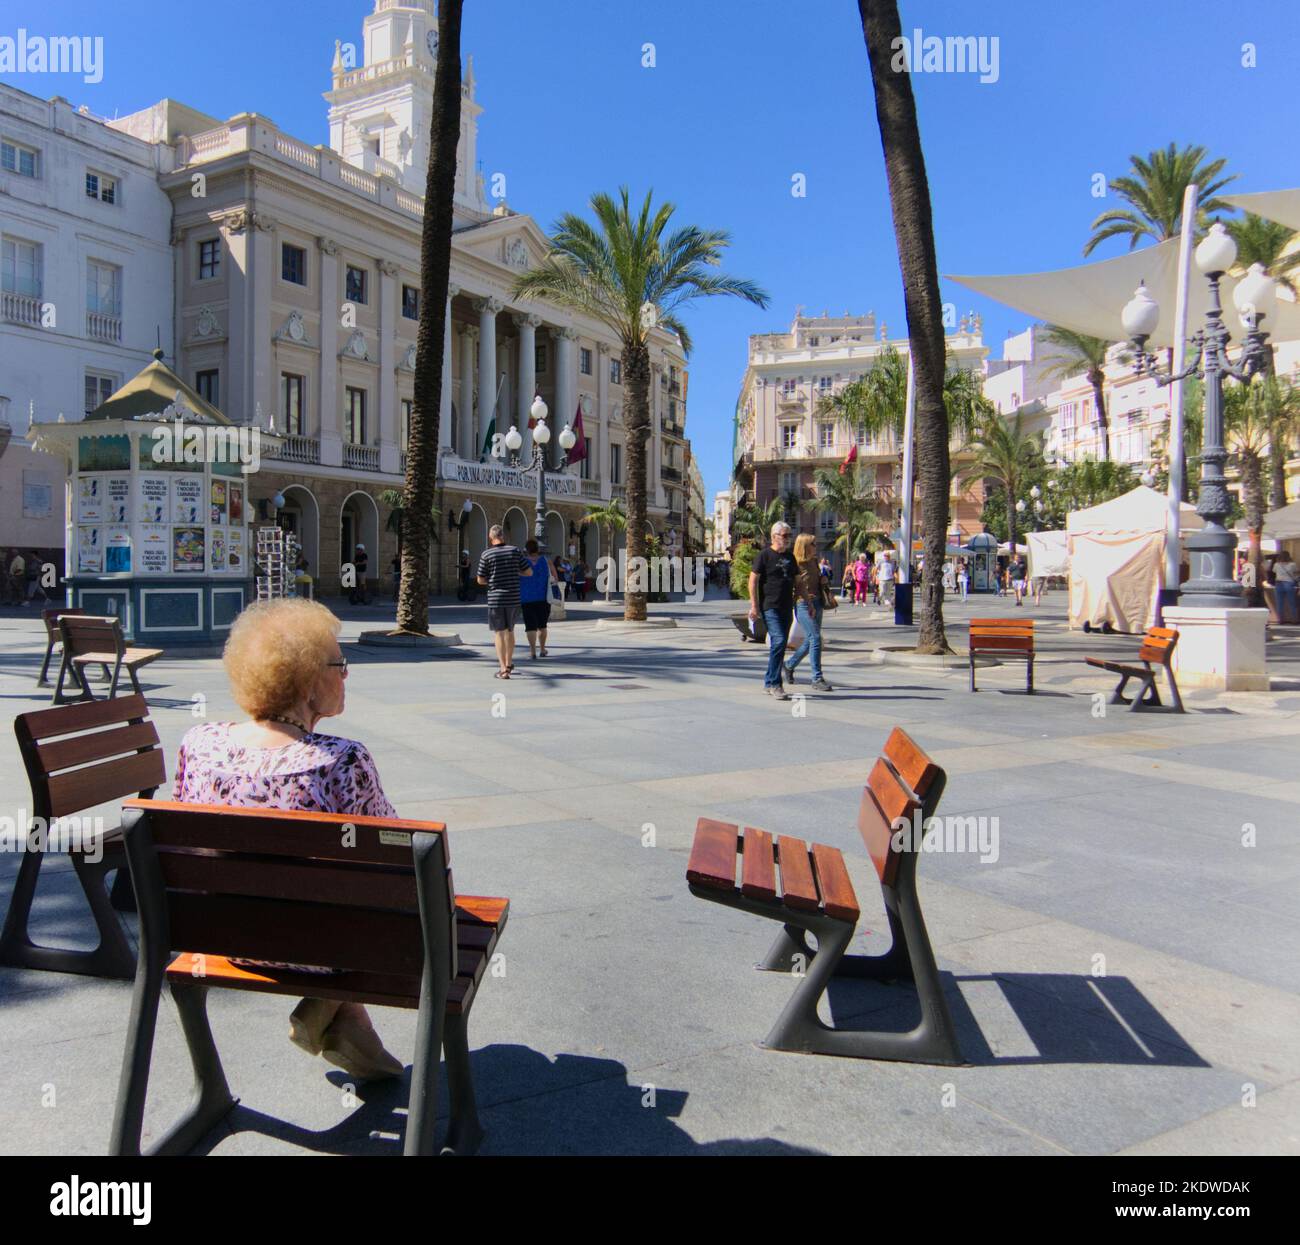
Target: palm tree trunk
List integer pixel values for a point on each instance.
(909, 196)
(1276, 472)
(613, 561)
(1252, 495)
(435, 273)
(1098, 380)
(636, 419)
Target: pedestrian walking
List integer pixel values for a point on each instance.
(811, 594)
(1286, 576)
(846, 585)
(1017, 572)
(34, 584)
(500, 569)
(861, 576)
(887, 579)
(963, 578)
(949, 577)
(535, 599)
(771, 594)
(17, 579)
(360, 562)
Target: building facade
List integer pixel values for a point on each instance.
(783, 438)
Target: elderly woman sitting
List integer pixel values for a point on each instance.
(287, 672)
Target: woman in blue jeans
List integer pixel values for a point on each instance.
(808, 608)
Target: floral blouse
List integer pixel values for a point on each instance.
(318, 774)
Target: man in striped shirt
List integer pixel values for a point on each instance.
(499, 571)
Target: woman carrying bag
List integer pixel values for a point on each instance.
(812, 596)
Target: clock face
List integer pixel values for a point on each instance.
(432, 40)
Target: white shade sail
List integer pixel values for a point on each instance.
(1090, 298)
(1283, 524)
(1282, 206)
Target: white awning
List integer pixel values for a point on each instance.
(1090, 298)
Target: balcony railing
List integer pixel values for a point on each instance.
(674, 429)
(295, 449)
(361, 457)
(591, 488)
(103, 328)
(619, 491)
(20, 308)
(670, 473)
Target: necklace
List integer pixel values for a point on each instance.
(306, 730)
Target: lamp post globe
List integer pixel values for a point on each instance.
(567, 439)
(1255, 296)
(513, 439)
(1217, 251)
(1141, 314)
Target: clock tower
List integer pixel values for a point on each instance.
(381, 105)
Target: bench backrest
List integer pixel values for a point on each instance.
(1158, 645)
(91, 633)
(326, 889)
(80, 755)
(903, 782)
(1005, 634)
(50, 618)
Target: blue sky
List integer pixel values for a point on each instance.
(743, 96)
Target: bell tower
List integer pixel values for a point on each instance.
(381, 103)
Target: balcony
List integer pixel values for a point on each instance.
(591, 488)
(674, 429)
(675, 516)
(670, 473)
(103, 328)
(299, 450)
(20, 309)
(361, 457)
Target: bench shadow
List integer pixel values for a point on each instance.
(529, 1103)
(1066, 1018)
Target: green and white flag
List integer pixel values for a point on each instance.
(487, 442)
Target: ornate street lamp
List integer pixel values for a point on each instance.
(1255, 297)
(541, 439)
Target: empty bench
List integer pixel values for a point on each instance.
(78, 757)
(1155, 655)
(1003, 638)
(90, 639)
(807, 890)
(369, 897)
(50, 617)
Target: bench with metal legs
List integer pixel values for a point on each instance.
(90, 639)
(369, 898)
(814, 896)
(1156, 654)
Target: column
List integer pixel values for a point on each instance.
(444, 398)
(329, 412)
(389, 459)
(527, 377)
(234, 378)
(654, 447)
(487, 309)
(465, 447)
(599, 432)
(261, 388)
(566, 403)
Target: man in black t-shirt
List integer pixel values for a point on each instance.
(499, 570)
(771, 594)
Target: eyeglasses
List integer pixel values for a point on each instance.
(342, 664)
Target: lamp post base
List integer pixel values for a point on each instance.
(1221, 649)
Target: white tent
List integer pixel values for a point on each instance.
(1116, 553)
(1049, 554)
(1283, 524)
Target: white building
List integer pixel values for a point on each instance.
(722, 524)
(85, 286)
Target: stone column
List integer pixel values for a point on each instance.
(234, 379)
(465, 447)
(389, 459)
(527, 378)
(566, 403)
(599, 432)
(261, 397)
(444, 399)
(487, 309)
(329, 412)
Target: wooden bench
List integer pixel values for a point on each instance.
(807, 889)
(50, 617)
(370, 897)
(1158, 646)
(77, 757)
(1003, 638)
(89, 639)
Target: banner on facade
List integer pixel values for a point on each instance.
(489, 475)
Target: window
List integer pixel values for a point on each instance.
(827, 521)
(826, 436)
(18, 159)
(101, 187)
(615, 464)
(824, 385)
(789, 483)
(292, 389)
(210, 259)
(99, 387)
(38, 495)
(356, 417)
(103, 289)
(789, 436)
(20, 267)
(861, 436)
(584, 361)
(1067, 414)
(208, 386)
(539, 358)
(404, 432)
(410, 302)
(355, 285)
(615, 371)
(787, 387)
(814, 341)
(293, 264)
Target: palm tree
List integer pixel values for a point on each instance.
(1261, 241)
(753, 523)
(395, 500)
(1282, 408)
(909, 198)
(435, 273)
(1155, 195)
(1078, 352)
(1009, 457)
(853, 498)
(1246, 431)
(630, 275)
(610, 518)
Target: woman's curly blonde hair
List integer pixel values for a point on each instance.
(276, 654)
